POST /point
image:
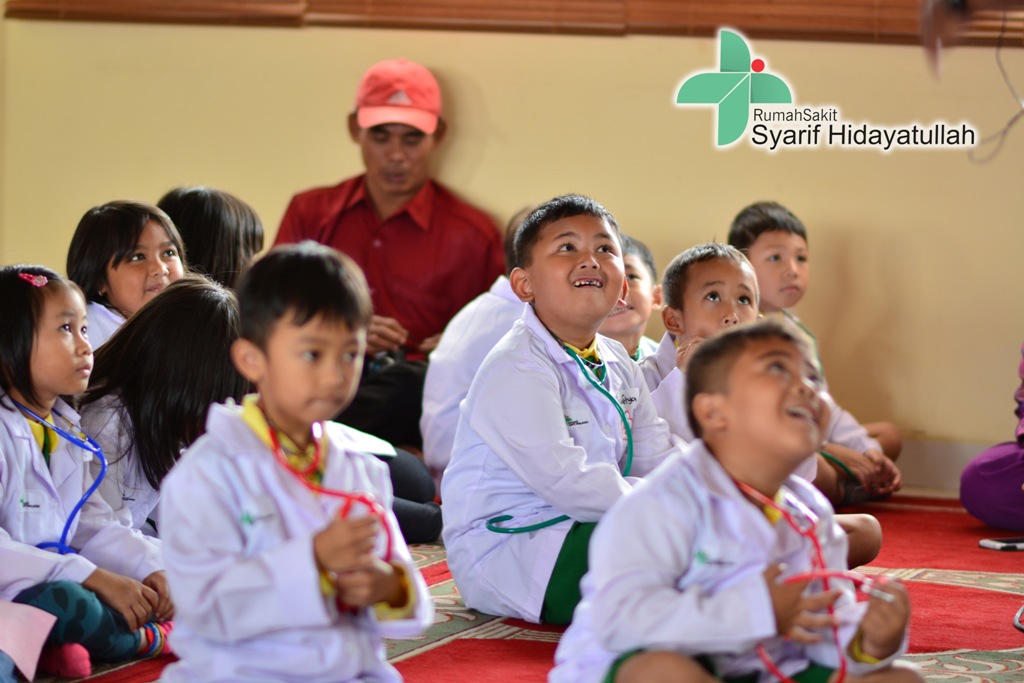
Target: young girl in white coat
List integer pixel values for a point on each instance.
(283, 554)
(123, 253)
(60, 547)
(152, 387)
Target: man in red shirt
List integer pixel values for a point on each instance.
(425, 252)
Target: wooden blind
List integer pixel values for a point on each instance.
(539, 16)
(862, 20)
(246, 12)
(870, 21)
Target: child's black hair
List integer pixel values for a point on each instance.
(762, 217)
(21, 305)
(221, 232)
(556, 209)
(106, 236)
(303, 281)
(675, 280)
(510, 235)
(707, 371)
(165, 366)
(631, 246)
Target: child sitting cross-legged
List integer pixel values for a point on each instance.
(557, 425)
(725, 566)
(282, 552)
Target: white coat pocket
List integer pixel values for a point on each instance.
(261, 524)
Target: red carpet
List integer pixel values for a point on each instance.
(954, 617)
(481, 661)
(963, 598)
(938, 535)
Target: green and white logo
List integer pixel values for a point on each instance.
(742, 92)
(738, 83)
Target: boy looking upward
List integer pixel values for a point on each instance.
(703, 564)
(707, 288)
(557, 424)
(278, 532)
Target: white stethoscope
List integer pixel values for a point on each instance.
(493, 522)
(88, 444)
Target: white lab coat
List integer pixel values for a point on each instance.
(536, 440)
(237, 532)
(466, 341)
(125, 488)
(103, 323)
(667, 385)
(679, 566)
(647, 347)
(34, 506)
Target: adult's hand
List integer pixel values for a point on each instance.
(385, 334)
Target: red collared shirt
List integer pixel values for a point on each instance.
(423, 264)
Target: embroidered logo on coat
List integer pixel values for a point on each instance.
(249, 519)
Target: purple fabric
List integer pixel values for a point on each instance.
(1019, 396)
(990, 486)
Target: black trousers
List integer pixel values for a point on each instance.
(389, 403)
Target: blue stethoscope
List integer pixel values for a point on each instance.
(494, 522)
(89, 445)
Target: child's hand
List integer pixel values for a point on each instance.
(129, 597)
(385, 334)
(687, 345)
(164, 610)
(346, 544)
(378, 582)
(888, 478)
(884, 622)
(798, 616)
(864, 470)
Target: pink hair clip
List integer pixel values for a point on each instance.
(34, 280)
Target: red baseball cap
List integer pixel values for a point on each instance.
(398, 91)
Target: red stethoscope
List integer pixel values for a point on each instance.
(366, 499)
(820, 571)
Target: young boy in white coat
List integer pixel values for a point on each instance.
(706, 289)
(857, 461)
(702, 574)
(627, 322)
(280, 544)
(709, 288)
(557, 425)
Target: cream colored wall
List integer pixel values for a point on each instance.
(917, 255)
